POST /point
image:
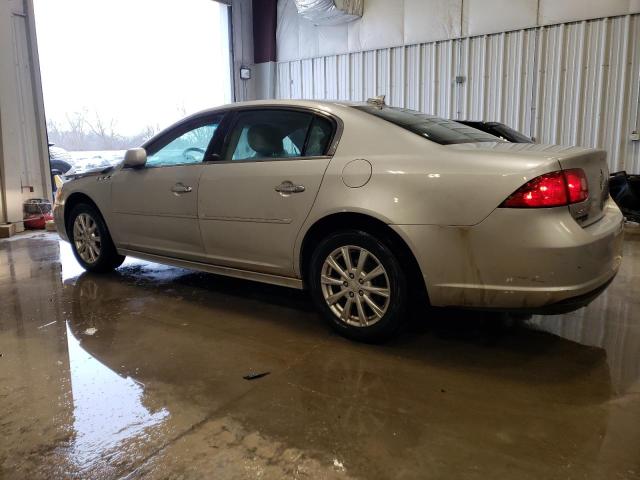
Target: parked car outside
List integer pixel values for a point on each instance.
(59, 159)
(364, 205)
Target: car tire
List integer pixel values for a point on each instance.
(364, 300)
(90, 240)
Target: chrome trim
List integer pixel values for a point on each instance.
(268, 159)
(149, 167)
(289, 282)
(287, 187)
(160, 214)
(228, 109)
(180, 188)
(246, 219)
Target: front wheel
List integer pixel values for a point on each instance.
(358, 284)
(90, 240)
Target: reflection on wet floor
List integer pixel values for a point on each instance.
(140, 373)
(107, 407)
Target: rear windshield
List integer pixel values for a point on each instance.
(439, 130)
(510, 134)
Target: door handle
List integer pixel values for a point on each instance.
(287, 187)
(181, 188)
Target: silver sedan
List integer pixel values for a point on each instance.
(366, 206)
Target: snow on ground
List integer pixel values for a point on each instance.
(93, 160)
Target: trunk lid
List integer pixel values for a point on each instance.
(593, 162)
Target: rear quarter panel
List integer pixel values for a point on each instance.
(416, 181)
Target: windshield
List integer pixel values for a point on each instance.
(439, 130)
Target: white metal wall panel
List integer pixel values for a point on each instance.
(369, 73)
(413, 79)
(295, 74)
(356, 78)
(31, 172)
(319, 90)
(447, 54)
(283, 82)
(344, 77)
(575, 83)
(307, 79)
(331, 77)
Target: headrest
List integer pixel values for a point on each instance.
(265, 139)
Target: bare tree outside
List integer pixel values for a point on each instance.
(84, 130)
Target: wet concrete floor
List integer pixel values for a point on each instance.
(139, 374)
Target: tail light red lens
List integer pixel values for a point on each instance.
(551, 190)
(577, 185)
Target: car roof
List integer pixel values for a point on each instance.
(282, 103)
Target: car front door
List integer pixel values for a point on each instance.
(155, 208)
(253, 201)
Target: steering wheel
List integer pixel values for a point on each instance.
(189, 156)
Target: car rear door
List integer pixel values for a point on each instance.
(254, 200)
(155, 208)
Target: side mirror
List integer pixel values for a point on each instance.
(135, 158)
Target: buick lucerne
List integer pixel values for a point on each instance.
(365, 205)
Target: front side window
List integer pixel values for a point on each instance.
(265, 134)
(187, 148)
(439, 130)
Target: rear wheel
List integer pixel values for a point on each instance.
(90, 240)
(358, 284)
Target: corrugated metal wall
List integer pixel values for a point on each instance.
(575, 83)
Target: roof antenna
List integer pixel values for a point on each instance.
(377, 101)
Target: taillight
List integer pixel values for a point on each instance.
(577, 185)
(553, 189)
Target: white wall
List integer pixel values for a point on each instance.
(576, 83)
(391, 23)
(24, 162)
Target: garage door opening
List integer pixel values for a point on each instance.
(115, 73)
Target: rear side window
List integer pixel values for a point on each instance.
(319, 137)
(266, 134)
(439, 130)
(263, 134)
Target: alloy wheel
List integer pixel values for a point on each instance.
(86, 238)
(355, 286)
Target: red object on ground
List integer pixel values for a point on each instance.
(37, 222)
(36, 213)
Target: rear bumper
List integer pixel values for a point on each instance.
(573, 303)
(537, 260)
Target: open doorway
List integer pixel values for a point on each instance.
(116, 72)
